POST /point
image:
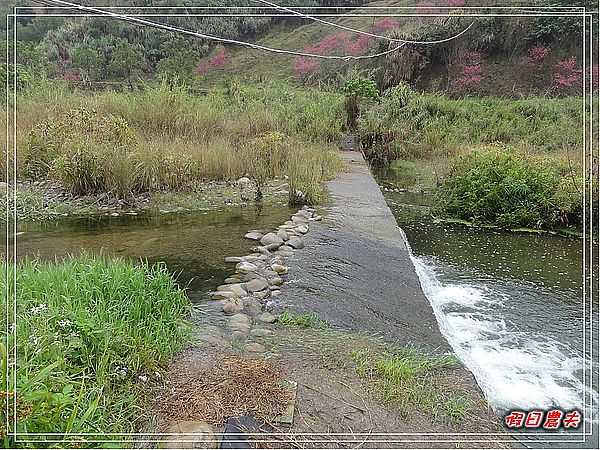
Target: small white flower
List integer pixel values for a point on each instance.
(64, 323)
(33, 338)
(157, 374)
(38, 309)
(143, 378)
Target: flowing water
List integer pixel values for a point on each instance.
(511, 305)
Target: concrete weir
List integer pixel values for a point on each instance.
(356, 270)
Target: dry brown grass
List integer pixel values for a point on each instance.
(233, 386)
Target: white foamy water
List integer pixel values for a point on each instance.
(516, 367)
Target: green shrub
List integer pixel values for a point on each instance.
(511, 190)
(90, 333)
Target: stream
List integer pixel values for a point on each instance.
(511, 306)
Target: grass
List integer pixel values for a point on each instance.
(407, 378)
(509, 163)
(432, 124)
(91, 335)
(309, 320)
(165, 138)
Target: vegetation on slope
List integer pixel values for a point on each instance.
(90, 334)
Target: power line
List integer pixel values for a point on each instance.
(209, 37)
(343, 27)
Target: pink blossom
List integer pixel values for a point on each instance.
(219, 60)
(70, 76)
(535, 56)
(567, 74)
(305, 65)
(358, 47)
(202, 67)
(454, 3)
(329, 43)
(468, 69)
(428, 9)
(384, 25)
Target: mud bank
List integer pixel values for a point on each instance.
(356, 272)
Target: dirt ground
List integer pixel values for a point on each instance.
(334, 407)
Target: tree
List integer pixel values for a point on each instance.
(126, 60)
(179, 63)
(87, 61)
(357, 88)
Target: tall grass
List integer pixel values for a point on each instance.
(90, 333)
(430, 124)
(180, 136)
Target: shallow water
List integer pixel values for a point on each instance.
(511, 305)
(193, 245)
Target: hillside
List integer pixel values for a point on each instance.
(498, 55)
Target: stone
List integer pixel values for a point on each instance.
(263, 294)
(254, 347)
(232, 279)
(296, 218)
(223, 295)
(243, 180)
(245, 266)
(233, 306)
(284, 253)
(237, 289)
(282, 270)
(258, 284)
(286, 248)
(271, 238)
(239, 336)
(3, 185)
(261, 332)
(296, 242)
(249, 276)
(240, 322)
(282, 234)
(266, 317)
(233, 259)
(272, 247)
(275, 293)
(303, 229)
(254, 235)
(189, 434)
(273, 288)
(263, 250)
(276, 281)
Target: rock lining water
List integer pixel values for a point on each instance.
(259, 276)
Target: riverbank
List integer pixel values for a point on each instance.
(47, 201)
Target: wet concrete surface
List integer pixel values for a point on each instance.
(355, 270)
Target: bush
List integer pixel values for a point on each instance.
(89, 333)
(511, 190)
(87, 152)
